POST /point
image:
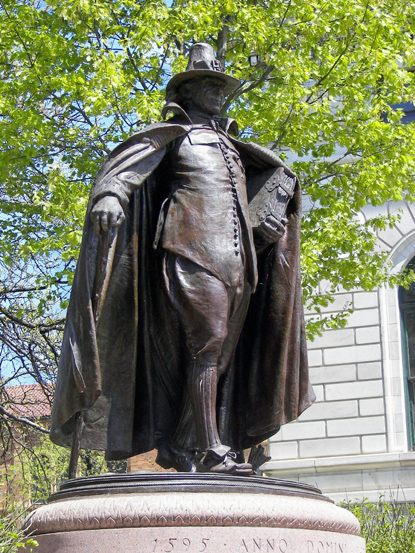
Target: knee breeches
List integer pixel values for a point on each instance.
(208, 310)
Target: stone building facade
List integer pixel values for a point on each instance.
(357, 440)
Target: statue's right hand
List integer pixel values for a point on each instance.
(107, 213)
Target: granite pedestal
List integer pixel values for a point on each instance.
(191, 513)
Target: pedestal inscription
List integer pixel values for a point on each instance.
(255, 515)
(200, 540)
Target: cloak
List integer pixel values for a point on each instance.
(126, 369)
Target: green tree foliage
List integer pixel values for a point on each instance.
(11, 538)
(37, 470)
(79, 76)
(387, 527)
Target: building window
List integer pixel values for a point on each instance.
(407, 309)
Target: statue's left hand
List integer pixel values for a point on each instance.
(271, 229)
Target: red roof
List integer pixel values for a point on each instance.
(32, 401)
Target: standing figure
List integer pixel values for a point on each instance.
(185, 329)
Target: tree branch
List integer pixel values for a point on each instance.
(21, 322)
(222, 40)
(253, 85)
(23, 420)
(136, 69)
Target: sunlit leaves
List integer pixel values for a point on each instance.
(79, 76)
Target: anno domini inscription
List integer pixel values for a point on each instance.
(245, 545)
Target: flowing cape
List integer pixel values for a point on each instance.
(126, 369)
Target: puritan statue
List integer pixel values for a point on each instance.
(185, 329)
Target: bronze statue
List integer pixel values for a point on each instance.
(185, 329)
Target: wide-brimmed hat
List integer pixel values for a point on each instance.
(202, 62)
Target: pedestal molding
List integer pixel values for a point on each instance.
(166, 509)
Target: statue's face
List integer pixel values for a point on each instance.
(207, 94)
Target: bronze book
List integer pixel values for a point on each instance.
(268, 194)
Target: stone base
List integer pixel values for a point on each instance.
(191, 513)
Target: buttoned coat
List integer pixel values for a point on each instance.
(207, 204)
(125, 371)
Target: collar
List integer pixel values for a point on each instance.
(230, 126)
